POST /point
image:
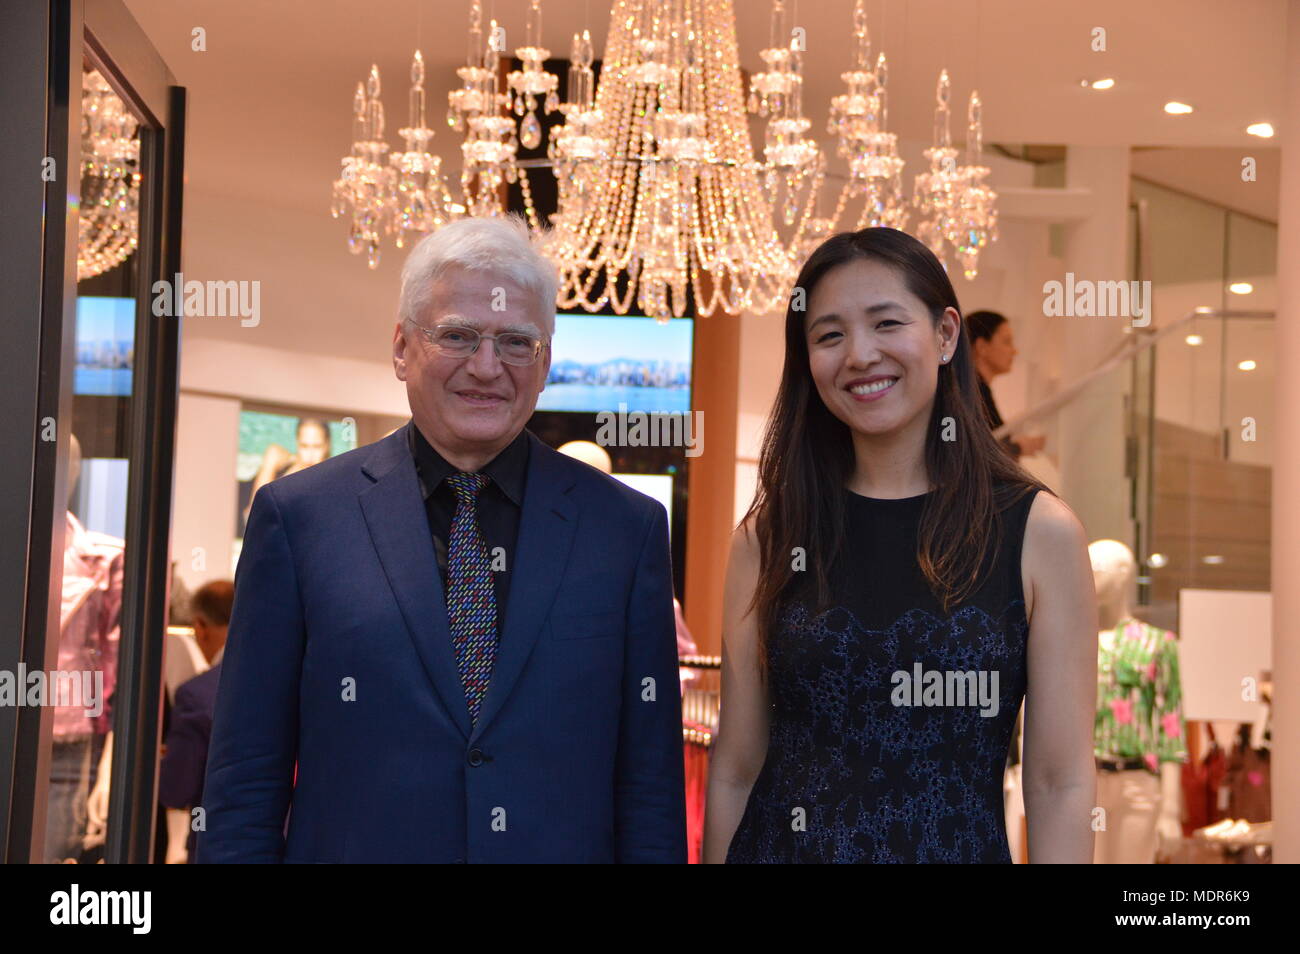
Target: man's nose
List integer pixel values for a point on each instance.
(484, 363)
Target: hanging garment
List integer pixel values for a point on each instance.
(89, 622)
(1248, 780)
(1139, 697)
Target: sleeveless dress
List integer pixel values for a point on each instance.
(864, 765)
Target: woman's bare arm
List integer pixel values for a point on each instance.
(740, 745)
(1060, 777)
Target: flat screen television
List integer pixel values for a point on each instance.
(105, 346)
(599, 362)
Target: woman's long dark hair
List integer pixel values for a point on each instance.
(807, 456)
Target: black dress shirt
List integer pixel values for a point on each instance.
(500, 503)
(994, 418)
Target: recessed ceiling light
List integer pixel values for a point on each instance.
(1194, 340)
(1106, 83)
(1262, 130)
(1213, 559)
(1177, 109)
(1157, 560)
(1246, 365)
(1241, 288)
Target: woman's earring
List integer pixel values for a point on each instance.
(943, 358)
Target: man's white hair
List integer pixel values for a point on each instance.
(503, 245)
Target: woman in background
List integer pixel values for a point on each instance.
(890, 540)
(993, 350)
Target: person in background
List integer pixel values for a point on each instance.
(180, 779)
(313, 440)
(993, 351)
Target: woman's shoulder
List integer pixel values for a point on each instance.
(1052, 527)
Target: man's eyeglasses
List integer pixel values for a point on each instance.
(457, 341)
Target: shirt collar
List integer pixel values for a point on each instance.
(507, 470)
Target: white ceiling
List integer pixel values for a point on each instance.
(270, 110)
(270, 98)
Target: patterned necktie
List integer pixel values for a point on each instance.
(471, 602)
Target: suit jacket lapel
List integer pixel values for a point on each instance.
(546, 527)
(399, 528)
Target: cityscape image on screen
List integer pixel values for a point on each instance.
(600, 362)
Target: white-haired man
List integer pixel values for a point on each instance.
(455, 644)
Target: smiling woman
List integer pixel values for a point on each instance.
(921, 539)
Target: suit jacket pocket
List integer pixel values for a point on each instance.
(586, 625)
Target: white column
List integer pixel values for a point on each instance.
(1286, 472)
(1091, 432)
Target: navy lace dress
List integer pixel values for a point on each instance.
(859, 768)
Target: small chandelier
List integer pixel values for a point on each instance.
(957, 209)
(108, 222)
(858, 119)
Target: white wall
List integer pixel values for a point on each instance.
(204, 495)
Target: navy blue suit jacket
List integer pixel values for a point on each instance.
(180, 777)
(339, 658)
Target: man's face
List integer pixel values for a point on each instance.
(472, 407)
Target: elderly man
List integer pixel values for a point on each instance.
(460, 640)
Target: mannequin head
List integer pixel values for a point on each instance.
(589, 453)
(1114, 571)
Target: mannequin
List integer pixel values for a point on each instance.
(1139, 718)
(93, 567)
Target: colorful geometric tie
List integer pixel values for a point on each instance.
(471, 602)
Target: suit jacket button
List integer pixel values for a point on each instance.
(475, 757)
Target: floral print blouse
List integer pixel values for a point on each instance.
(1139, 696)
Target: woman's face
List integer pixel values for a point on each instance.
(998, 351)
(313, 444)
(873, 349)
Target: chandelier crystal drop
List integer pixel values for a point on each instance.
(108, 222)
(533, 81)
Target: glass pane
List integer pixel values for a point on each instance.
(94, 549)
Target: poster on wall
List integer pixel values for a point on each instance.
(272, 446)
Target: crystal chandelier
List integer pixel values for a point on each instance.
(108, 223)
(857, 119)
(660, 198)
(956, 208)
(675, 202)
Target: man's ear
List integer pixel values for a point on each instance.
(399, 351)
(546, 366)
